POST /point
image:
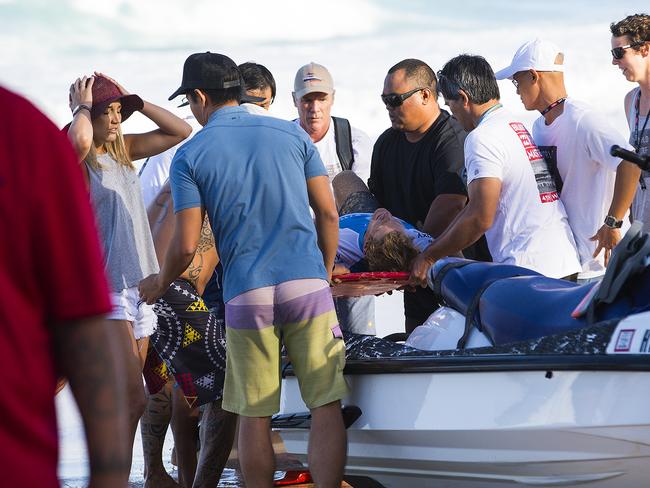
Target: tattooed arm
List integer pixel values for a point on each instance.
(205, 259)
(91, 357)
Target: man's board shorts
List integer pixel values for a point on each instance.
(128, 306)
(189, 344)
(299, 314)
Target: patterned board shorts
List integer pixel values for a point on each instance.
(298, 314)
(189, 343)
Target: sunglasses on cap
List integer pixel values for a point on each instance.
(619, 52)
(394, 100)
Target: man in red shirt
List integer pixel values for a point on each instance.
(53, 295)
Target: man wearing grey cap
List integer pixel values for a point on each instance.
(341, 147)
(596, 188)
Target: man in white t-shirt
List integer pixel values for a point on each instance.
(313, 96)
(595, 187)
(512, 196)
(341, 147)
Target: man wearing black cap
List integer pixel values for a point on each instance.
(256, 177)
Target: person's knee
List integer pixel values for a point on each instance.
(330, 410)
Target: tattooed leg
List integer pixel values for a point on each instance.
(217, 435)
(185, 426)
(153, 427)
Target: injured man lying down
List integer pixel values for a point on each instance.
(370, 238)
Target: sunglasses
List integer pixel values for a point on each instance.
(394, 100)
(619, 52)
(515, 81)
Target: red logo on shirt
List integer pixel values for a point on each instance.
(545, 184)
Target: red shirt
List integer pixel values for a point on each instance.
(51, 271)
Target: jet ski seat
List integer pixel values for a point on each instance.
(510, 303)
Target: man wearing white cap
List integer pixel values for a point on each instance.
(595, 187)
(341, 147)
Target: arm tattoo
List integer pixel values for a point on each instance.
(206, 241)
(162, 198)
(195, 268)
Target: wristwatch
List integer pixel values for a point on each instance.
(612, 223)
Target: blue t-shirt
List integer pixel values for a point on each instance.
(250, 173)
(352, 232)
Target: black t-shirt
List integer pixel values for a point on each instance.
(406, 177)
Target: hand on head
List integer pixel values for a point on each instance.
(81, 92)
(123, 90)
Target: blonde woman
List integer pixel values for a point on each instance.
(99, 106)
(631, 54)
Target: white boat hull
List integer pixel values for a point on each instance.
(494, 429)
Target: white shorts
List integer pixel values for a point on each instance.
(127, 306)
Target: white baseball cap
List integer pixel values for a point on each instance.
(538, 54)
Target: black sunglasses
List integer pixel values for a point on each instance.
(619, 52)
(395, 99)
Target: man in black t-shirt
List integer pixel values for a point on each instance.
(417, 165)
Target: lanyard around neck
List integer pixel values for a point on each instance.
(637, 134)
(553, 105)
(491, 109)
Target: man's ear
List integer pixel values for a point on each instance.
(534, 75)
(201, 96)
(428, 96)
(464, 98)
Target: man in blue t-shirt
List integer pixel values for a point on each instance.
(256, 178)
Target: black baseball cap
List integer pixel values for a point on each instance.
(210, 71)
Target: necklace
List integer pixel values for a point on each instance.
(553, 105)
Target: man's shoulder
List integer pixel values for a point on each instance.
(579, 113)
(579, 119)
(289, 128)
(18, 109)
(390, 135)
(358, 134)
(446, 129)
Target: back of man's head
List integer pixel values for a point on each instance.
(417, 71)
(257, 77)
(471, 74)
(214, 74)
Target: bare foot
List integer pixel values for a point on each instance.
(160, 480)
